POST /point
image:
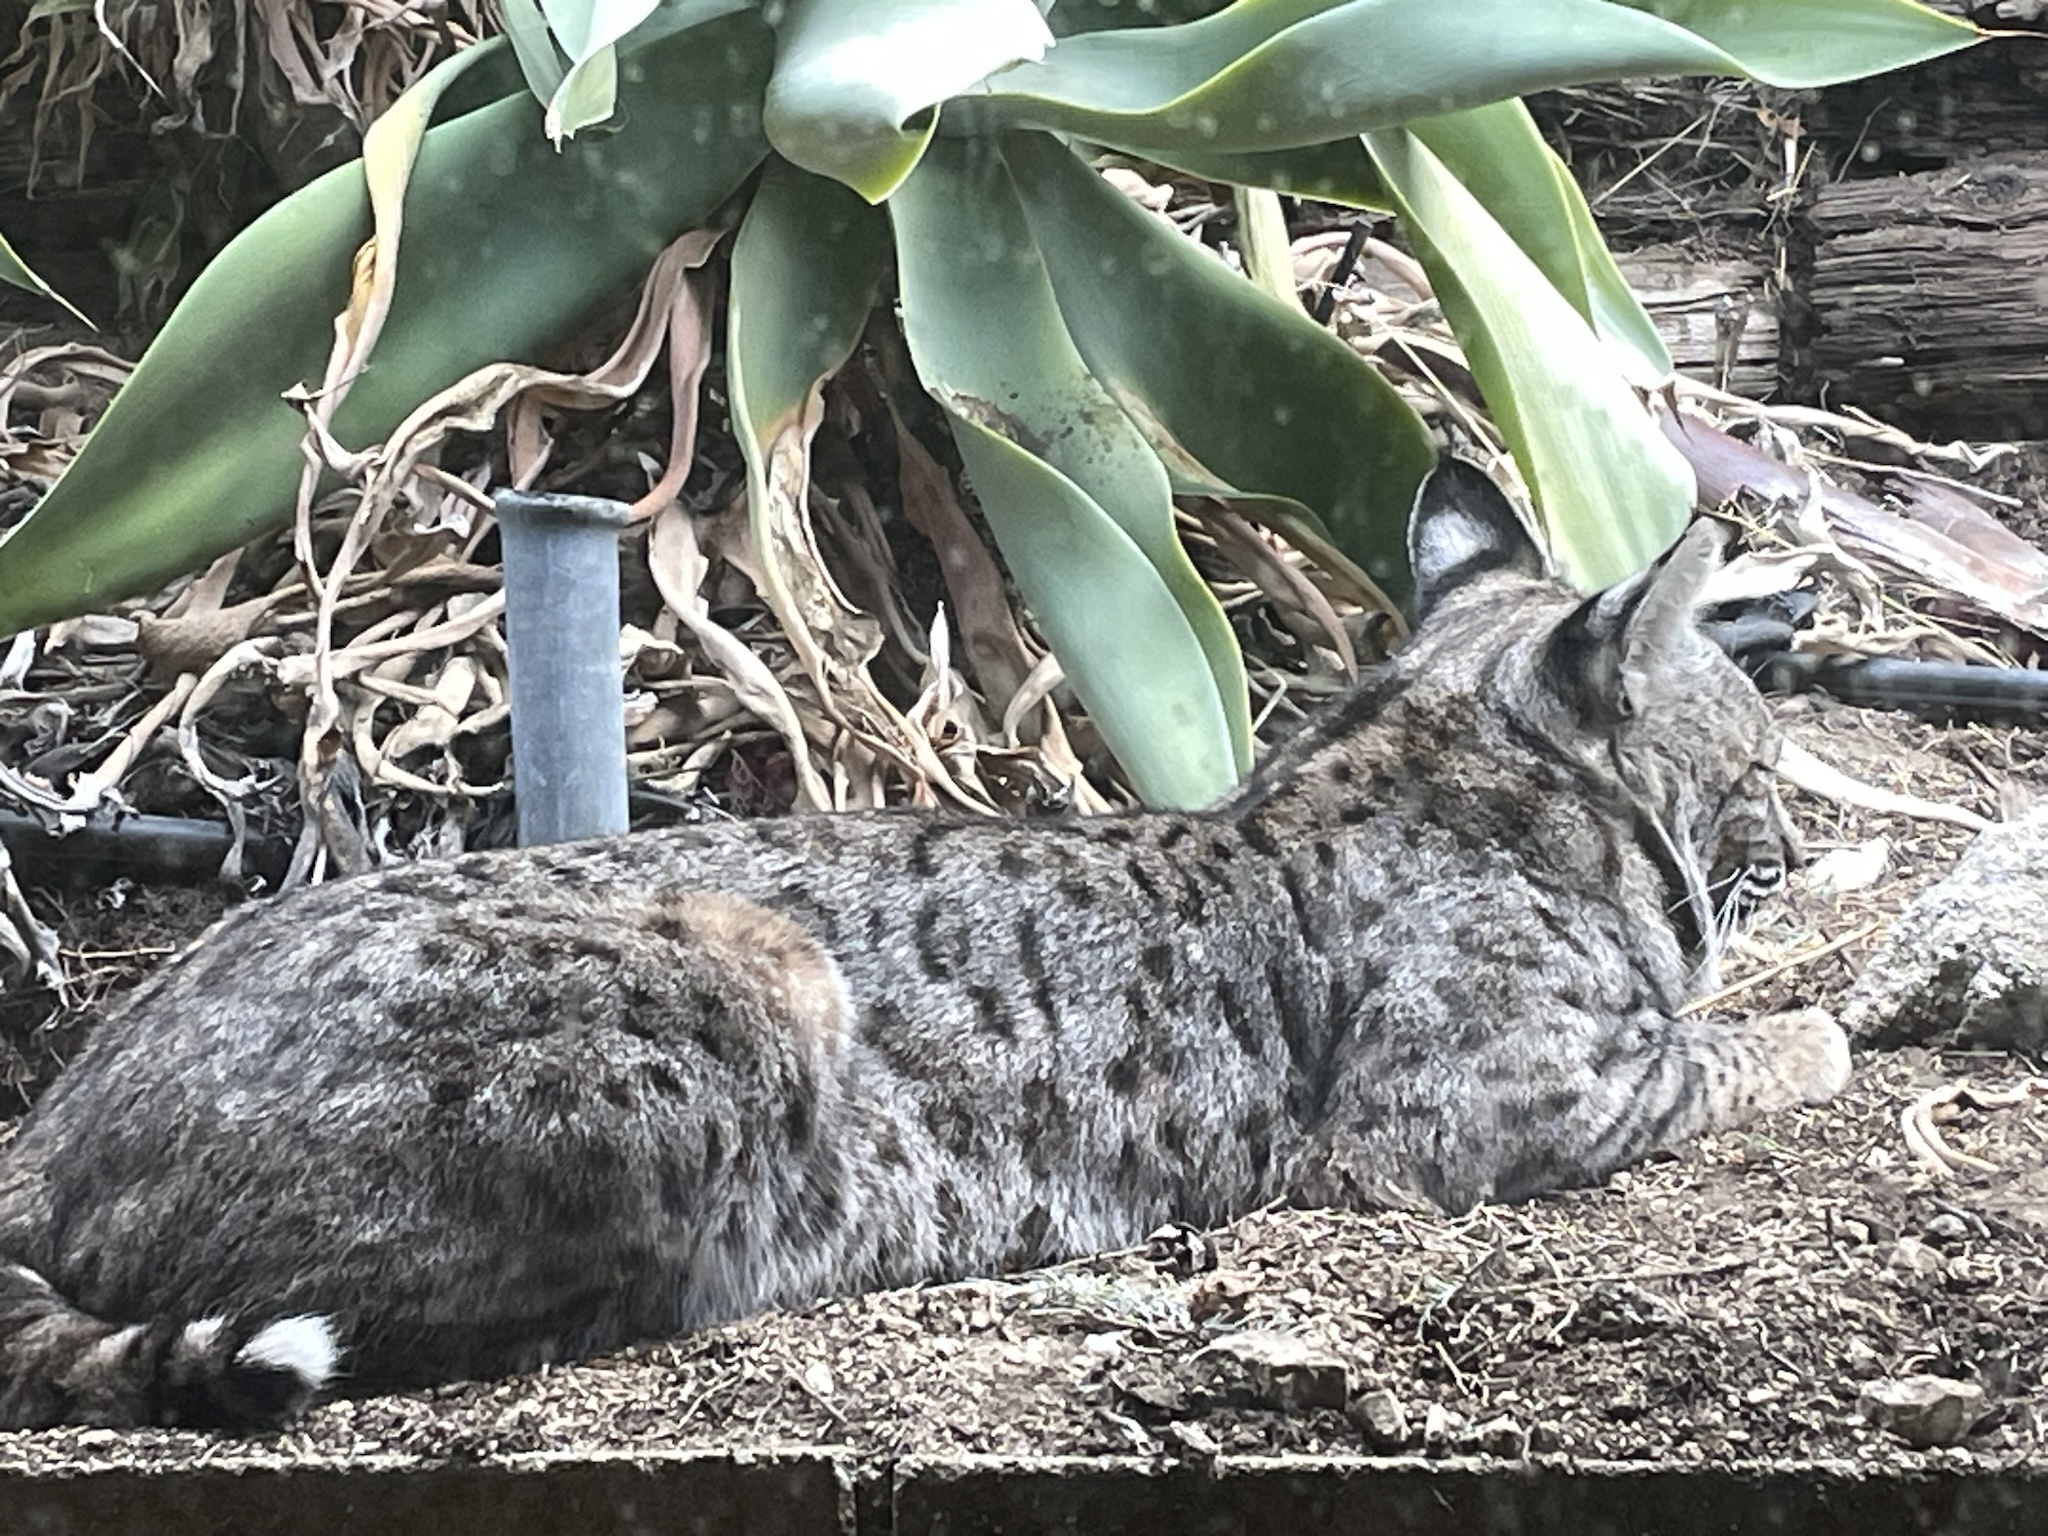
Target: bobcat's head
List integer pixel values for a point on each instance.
(1622, 681)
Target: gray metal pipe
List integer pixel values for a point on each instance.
(562, 628)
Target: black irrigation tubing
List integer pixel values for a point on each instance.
(167, 848)
(191, 849)
(1762, 625)
(1944, 690)
(1760, 635)
(1340, 274)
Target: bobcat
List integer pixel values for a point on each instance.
(458, 1119)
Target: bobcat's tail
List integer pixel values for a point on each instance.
(59, 1365)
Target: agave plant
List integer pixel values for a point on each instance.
(1089, 361)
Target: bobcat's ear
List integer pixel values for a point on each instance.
(1607, 658)
(1463, 527)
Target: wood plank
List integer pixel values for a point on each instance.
(1928, 299)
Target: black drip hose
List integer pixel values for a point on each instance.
(172, 849)
(1760, 636)
(1940, 690)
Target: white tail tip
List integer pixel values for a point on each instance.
(304, 1346)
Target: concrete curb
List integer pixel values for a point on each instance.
(836, 1493)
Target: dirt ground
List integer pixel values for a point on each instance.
(1726, 1304)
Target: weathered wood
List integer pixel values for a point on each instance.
(1923, 299)
(1987, 100)
(1928, 299)
(1718, 317)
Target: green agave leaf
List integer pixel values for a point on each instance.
(588, 95)
(1800, 44)
(391, 148)
(849, 74)
(1339, 172)
(1263, 241)
(1241, 394)
(1613, 491)
(526, 29)
(672, 16)
(588, 31)
(1498, 154)
(1617, 314)
(1079, 505)
(582, 27)
(1501, 157)
(1124, 643)
(806, 270)
(17, 272)
(509, 243)
(1284, 74)
(1073, 16)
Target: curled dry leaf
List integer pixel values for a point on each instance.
(193, 642)
(860, 539)
(101, 786)
(678, 567)
(434, 722)
(246, 653)
(25, 938)
(468, 614)
(472, 404)
(2007, 587)
(864, 728)
(989, 631)
(1302, 606)
(833, 639)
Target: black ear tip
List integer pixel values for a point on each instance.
(1453, 477)
(1461, 487)
(1452, 483)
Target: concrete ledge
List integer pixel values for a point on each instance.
(1352, 1496)
(829, 1493)
(680, 1494)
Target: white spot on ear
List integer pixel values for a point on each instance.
(1462, 527)
(201, 1336)
(1449, 538)
(304, 1346)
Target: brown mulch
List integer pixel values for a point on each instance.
(113, 936)
(1722, 1305)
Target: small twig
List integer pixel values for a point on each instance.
(1623, 1276)
(455, 486)
(1801, 769)
(1464, 1281)
(1789, 963)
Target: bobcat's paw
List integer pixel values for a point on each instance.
(1806, 1052)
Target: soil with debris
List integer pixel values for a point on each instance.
(1742, 1300)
